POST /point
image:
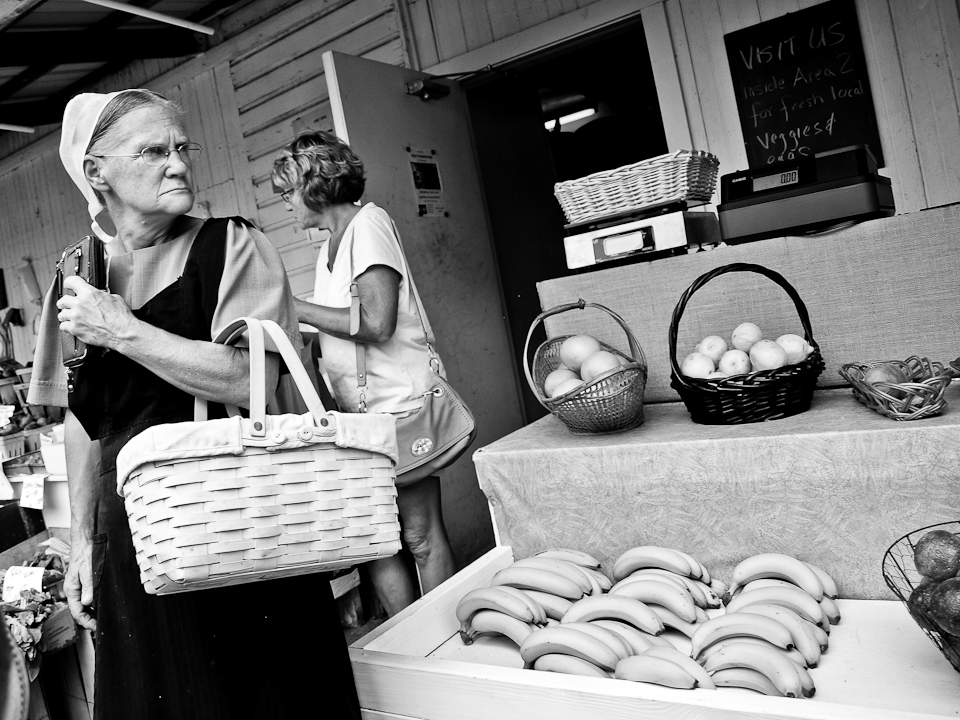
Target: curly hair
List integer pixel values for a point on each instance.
(322, 167)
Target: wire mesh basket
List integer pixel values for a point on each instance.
(920, 396)
(902, 577)
(683, 175)
(610, 402)
(754, 397)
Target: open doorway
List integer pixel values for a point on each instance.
(580, 108)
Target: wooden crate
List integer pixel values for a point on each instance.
(880, 666)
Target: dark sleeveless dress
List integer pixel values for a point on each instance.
(261, 650)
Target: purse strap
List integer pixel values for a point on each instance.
(255, 333)
(355, 320)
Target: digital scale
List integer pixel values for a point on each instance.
(803, 196)
(650, 232)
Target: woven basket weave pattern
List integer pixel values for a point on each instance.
(611, 402)
(233, 519)
(921, 396)
(240, 499)
(755, 397)
(683, 175)
(901, 575)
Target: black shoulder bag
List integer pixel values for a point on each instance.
(85, 259)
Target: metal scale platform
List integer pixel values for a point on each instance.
(648, 233)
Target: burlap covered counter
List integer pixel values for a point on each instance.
(834, 486)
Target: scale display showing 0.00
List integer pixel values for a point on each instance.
(768, 182)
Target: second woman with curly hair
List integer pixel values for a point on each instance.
(321, 178)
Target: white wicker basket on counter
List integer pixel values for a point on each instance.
(680, 176)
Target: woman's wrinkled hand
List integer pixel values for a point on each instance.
(78, 583)
(93, 316)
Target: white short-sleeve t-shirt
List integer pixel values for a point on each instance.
(398, 370)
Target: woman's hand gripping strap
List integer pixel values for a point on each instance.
(258, 381)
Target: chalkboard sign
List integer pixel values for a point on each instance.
(801, 84)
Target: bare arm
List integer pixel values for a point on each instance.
(83, 464)
(203, 369)
(379, 288)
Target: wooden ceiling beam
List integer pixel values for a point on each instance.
(50, 110)
(12, 10)
(63, 47)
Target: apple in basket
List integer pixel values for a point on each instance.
(557, 378)
(886, 373)
(597, 364)
(582, 359)
(577, 348)
(746, 352)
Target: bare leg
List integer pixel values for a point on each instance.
(424, 532)
(393, 583)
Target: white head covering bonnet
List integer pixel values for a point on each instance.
(79, 120)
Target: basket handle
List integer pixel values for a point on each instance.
(636, 353)
(255, 331)
(722, 270)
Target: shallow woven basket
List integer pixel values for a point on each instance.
(901, 575)
(922, 394)
(755, 397)
(683, 175)
(611, 402)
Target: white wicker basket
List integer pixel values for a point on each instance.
(683, 175)
(236, 500)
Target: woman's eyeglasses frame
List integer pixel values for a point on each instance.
(160, 155)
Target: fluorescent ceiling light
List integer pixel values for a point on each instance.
(16, 128)
(151, 15)
(573, 117)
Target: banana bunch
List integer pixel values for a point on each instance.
(771, 569)
(619, 629)
(503, 610)
(778, 614)
(675, 566)
(665, 666)
(529, 594)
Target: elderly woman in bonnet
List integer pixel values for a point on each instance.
(174, 282)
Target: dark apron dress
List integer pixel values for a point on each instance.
(261, 650)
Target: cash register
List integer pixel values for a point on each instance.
(803, 196)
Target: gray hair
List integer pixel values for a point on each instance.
(123, 104)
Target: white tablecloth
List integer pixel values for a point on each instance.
(835, 486)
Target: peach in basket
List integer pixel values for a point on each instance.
(908, 389)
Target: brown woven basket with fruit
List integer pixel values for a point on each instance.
(750, 397)
(922, 570)
(908, 389)
(608, 398)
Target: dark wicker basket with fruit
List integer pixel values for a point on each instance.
(923, 570)
(776, 380)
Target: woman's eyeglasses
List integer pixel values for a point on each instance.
(286, 195)
(157, 155)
